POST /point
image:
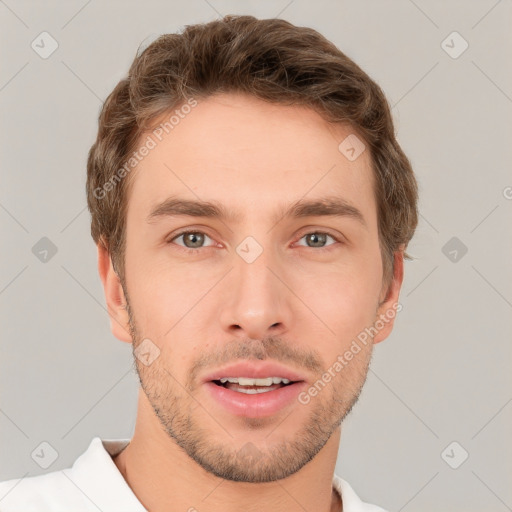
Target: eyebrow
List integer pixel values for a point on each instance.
(327, 206)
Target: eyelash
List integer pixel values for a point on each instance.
(188, 250)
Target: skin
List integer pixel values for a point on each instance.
(298, 303)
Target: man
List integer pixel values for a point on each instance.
(251, 208)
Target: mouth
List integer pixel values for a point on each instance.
(254, 373)
(254, 389)
(253, 386)
(254, 400)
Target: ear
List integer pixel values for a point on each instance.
(388, 300)
(114, 295)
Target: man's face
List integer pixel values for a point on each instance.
(257, 286)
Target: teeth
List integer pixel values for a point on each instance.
(243, 381)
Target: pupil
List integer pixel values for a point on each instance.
(195, 238)
(314, 237)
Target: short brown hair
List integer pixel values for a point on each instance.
(272, 60)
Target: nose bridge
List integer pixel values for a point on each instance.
(257, 305)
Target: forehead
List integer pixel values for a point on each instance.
(249, 154)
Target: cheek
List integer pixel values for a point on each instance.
(156, 290)
(343, 304)
(153, 301)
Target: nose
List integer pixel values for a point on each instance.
(257, 302)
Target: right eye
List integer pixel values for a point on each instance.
(194, 238)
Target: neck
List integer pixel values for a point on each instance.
(164, 477)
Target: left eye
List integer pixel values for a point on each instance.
(317, 238)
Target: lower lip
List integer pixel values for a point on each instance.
(257, 405)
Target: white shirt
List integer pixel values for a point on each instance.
(94, 484)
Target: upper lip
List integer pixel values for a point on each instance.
(253, 370)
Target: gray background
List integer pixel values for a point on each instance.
(444, 373)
